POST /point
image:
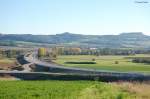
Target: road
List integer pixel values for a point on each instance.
(59, 72)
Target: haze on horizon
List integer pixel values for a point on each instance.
(94, 17)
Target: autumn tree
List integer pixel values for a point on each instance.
(41, 52)
(54, 53)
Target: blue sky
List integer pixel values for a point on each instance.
(76, 16)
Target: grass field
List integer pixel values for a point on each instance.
(71, 90)
(106, 63)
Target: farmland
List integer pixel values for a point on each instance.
(107, 62)
(70, 90)
(7, 63)
(55, 89)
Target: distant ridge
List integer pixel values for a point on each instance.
(123, 40)
(133, 34)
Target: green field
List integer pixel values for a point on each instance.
(65, 90)
(125, 64)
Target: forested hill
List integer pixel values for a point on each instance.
(129, 40)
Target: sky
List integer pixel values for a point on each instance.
(94, 17)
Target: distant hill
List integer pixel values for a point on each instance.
(123, 40)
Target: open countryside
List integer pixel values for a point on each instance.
(74, 49)
(106, 62)
(67, 66)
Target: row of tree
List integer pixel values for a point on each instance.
(94, 51)
(10, 53)
(55, 51)
(52, 53)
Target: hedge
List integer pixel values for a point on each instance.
(80, 62)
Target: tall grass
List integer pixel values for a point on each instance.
(60, 90)
(138, 90)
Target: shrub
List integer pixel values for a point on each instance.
(116, 62)
(93, 59)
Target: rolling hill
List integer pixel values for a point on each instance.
(123, 40)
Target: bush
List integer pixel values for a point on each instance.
(116, 62)
(93, 59)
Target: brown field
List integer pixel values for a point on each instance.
(7, 64)
(136, 89)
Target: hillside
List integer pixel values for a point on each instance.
(123, 40)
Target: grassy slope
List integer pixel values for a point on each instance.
(61, 90)
(107, 63)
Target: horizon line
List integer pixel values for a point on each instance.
(69, 33)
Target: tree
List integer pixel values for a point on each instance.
(75, 51)
(116, 62)
(93, 59)
(41, 52)
(9, 53)
(54, 53)
(60, 50)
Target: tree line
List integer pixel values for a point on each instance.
(94, 51)
(55, 51)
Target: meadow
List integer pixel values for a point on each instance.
(72, 90)
(107, 62)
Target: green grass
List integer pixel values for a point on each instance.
(106, 63)
(61, 90)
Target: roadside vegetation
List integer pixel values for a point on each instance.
(72, 90)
